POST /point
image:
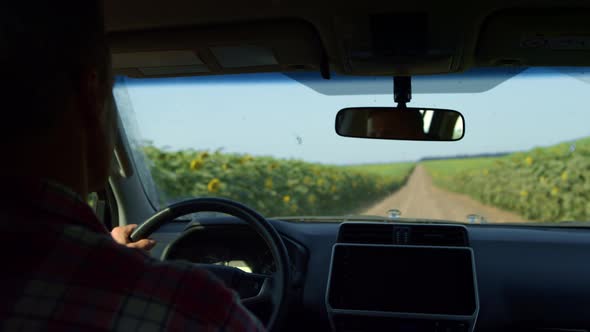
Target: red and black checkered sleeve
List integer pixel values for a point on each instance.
(191, 299)
(208, 300)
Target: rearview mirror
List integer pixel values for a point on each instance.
(418, 124)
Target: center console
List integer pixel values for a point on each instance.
(406, 277)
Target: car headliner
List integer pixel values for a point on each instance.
(431, 37)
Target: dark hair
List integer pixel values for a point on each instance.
(45, 46)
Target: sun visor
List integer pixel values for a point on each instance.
(396, 44)
(285, 46)
(540, 37)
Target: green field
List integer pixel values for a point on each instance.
(397, 171)
(544, 184)
(444, 172)
(274, 187)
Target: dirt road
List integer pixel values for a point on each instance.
(419, 198)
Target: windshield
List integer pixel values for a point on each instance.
(268, 141)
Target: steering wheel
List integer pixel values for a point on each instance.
(269, 289)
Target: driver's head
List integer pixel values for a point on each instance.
(56, 90)
(402, 123)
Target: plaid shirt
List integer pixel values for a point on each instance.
(63, 272)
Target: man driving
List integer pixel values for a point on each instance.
(63, 269)
(403, 124)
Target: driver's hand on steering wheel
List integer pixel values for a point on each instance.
(121, 235)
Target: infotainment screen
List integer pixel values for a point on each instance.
(424, 280)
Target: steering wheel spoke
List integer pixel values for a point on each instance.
(265, 294)
(252, 288)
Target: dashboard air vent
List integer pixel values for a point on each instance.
(403, 234)
(366, 233)
(439, 236)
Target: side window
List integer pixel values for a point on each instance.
(134, 139)
(92, 200)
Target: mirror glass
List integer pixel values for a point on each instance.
(419, 124)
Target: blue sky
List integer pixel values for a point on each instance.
(277, 116)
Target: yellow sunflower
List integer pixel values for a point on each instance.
(286, 198)
(312, 199)
(245, 159)
(316, 171)
(268, 183)
(564, 176)
(214, 185)
(196, 164)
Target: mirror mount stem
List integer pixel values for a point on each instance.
(402, 90)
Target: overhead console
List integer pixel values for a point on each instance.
(402, 277)
(402, 43)
(535, 37)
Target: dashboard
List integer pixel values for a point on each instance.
(236, 244)
(524, 278)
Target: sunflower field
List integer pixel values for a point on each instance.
(273, 187)
(544, 184)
